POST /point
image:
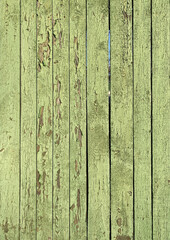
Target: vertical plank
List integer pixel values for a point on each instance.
(78, 119)
(9, 118)
(44, 119)
(161, 119)
(28, 120)
(98, 131)
(61, 119)
(121, 120)
(142, 119)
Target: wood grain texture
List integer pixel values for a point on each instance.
(142, 119)
(161, 119)
(98, 127)
(44, 120)
(61, 113)
(61, 119)
(78, 119)
(28, 121)
(121, 120)
(9, 118)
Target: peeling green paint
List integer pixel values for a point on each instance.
(82, 157)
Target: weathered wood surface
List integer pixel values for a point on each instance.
(98, 116)
(9, 118)
(82, 158)
(44, 120)
(28, 121)
(142, 120)
(78, 159)
(61, 119)
(121, 120)
(161, 119)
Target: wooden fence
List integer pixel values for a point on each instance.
(84, 120)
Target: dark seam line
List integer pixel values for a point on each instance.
(151, 127)
(87, 173)
(52, 117)
(69, 112)
(109, 101)
(36, 122)
(20, 131)
(133, 119)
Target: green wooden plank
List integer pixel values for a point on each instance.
(98, 131)
(61, 119)
(44, 119)
(78, 119)
(161, 119)
(28, 120)
(142, 119)
(121, 120)
(9, 118)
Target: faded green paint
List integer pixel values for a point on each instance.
(44, 120)
(98, 116)
(46, 146)
(161, 119)
(9, 118)
(78, 119)
(142, 119)
(28, 121)
(121, 121)
(61, 119)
